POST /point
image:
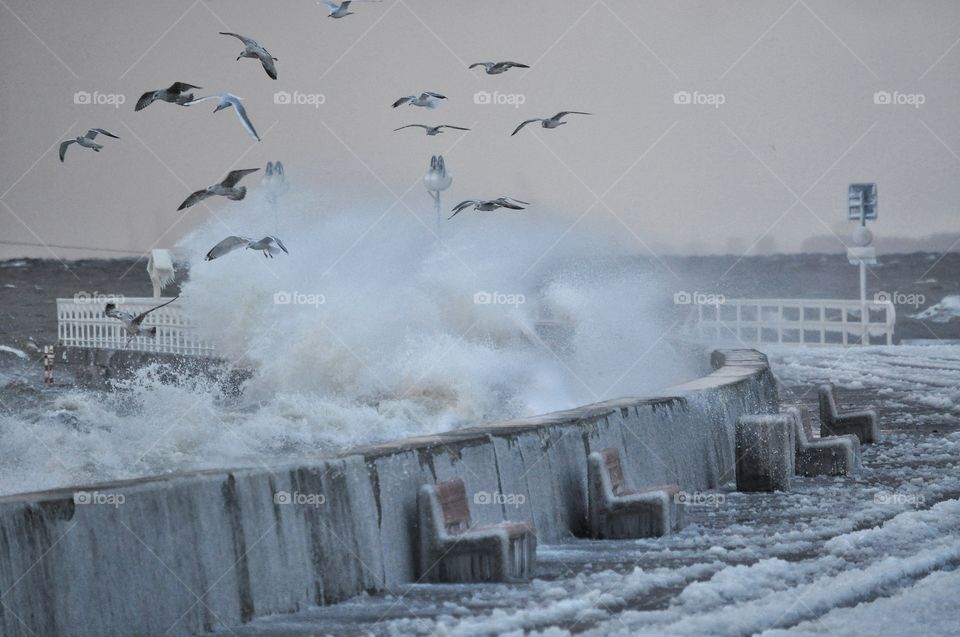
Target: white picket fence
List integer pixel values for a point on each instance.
(82, 323)
(801, 321)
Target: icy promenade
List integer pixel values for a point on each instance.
(872, 555)
(187, 553)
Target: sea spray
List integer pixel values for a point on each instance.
(439, 329)
(374, 327)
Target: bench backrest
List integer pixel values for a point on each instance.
(828, 403)
(453, 501)
(805, 421)
(611, 458)
(800, 418)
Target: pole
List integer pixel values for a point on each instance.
(48, 364)
(864, 336)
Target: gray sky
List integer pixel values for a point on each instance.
(768, 167)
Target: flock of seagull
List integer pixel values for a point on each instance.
(181, 94)
(429, 99)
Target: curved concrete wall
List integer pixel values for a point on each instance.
(184, 554)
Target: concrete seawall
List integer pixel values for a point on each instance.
(183, 554)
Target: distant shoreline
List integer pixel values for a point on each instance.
(29, 287)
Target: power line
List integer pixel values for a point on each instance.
(66, 247)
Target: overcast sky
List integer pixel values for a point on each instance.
(767, 167)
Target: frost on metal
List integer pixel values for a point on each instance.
(862, 423)
(618, 512)
(766, 447)
(830, 455)
(453, 550)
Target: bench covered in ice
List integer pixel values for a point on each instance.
(765, 452)
(862, 423)
(618, 512)
(830, 455)
(454, 550)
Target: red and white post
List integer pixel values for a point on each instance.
(48, 364)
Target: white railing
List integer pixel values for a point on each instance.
(82, 323)
(801, 321)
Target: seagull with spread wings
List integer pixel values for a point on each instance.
(431, 130)
(133, 325)
(426, 99)
(549, 122)
(486, 205)
(174, 94)
(269, 245)
(227, 188)
(341, 10)
(226, 100)
(496, 68)
(86, 141)
(251, 49)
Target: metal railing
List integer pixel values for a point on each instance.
(799, 321)
(82, 323)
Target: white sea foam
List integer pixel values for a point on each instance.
(945, 311)
(370, 329)
(6, 349)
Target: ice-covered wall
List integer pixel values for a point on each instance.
(183, 554)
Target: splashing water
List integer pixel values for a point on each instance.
(372, 328)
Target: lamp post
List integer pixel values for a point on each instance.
(436, 181)
(275, 181)
(862, 206)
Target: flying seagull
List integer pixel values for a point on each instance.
(496, 68)
(488, 205)
(270, 246)
(253, 50)
(226, 100)
(431, 130)
(133, 325)
(427, 99)
(173, 94)
(550, 122)
(86, 141)
(341, 10)
(227, 188)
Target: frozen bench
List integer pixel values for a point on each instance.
(617, 512)
(454, 550)
(832, 455)
(862, 423)
(765, 452)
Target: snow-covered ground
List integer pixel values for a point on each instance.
(914, 386)
(875, 554)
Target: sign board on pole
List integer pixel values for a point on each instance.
(867, 255)
(862, 201)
